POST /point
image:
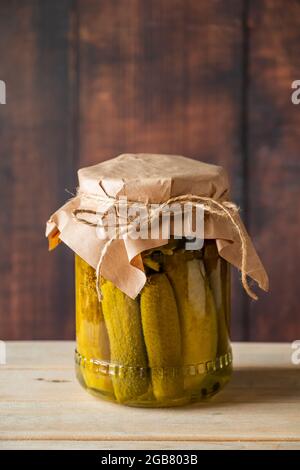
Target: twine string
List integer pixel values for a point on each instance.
(225, 209)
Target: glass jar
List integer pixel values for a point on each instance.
(168, 347)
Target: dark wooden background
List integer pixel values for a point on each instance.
(89, 79)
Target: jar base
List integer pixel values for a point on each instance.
(198, 388)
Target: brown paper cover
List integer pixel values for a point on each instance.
(146, 178)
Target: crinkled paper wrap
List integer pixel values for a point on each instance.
(146, 178)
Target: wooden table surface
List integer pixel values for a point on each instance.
(43, 407)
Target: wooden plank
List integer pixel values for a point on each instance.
(146, 445)
(37, 50)
(45, 383)
(261, 404)
(233, 420)
(273, 168)
(35, 355)
(59, 355)
(164, 77)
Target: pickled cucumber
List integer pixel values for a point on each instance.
(161, 329)
(128, 353)
(91, 332)
(216, 269)
(197, 314)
